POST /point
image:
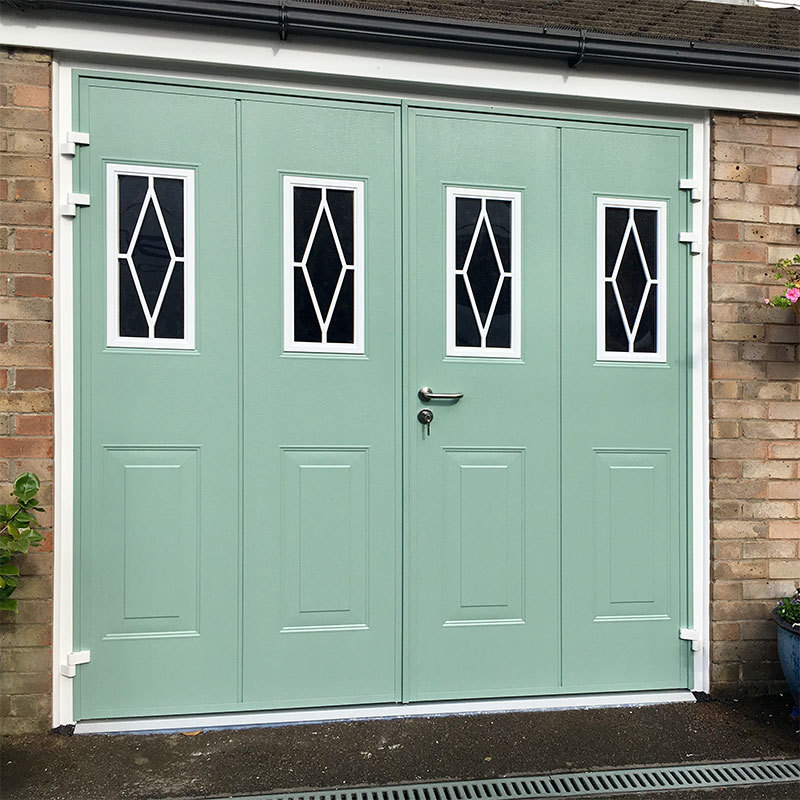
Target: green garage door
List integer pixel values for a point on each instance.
(275, 509)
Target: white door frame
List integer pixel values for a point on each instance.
(485, 81)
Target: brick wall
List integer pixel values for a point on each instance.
(26, 371)
(755, 390)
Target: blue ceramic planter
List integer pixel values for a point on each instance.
(789, 655)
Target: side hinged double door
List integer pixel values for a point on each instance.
(264, 519)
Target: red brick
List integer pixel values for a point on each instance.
(34, 425)
(28, 447)
(33, 286)
(33, 239)
(35, 96)
(34, 379)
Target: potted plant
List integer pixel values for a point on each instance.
(787, 271)
(18, 532)
(787, 617)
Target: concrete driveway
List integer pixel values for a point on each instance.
(225, 763)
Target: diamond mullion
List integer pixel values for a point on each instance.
(171, 268)
(490, 315)
(128, 256)
(623, 245)
(624, 316)
(306, 253)
(334, 231)
(475, 234)
(314, 301)
(645, 295)
(482, 218)
(332, 305)
(163, 291)
(140, 294)
(490, 231)
(638, 241)
(312, 235)
(140, 220)
(163, 224)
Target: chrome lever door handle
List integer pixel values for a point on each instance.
(426, 394)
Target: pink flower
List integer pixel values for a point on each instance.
(766, 301)
(793, 294)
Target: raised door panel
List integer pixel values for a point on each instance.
(321, 249)
(157, 376)
(482, 553)
(624, 418)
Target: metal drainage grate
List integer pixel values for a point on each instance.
(573, 784)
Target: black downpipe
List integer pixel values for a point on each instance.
(576, 47)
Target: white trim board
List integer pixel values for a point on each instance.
(309, 59)
(63, 712)
(311, 715)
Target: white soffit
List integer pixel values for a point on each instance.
(306, 59)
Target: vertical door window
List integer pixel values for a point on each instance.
(150, 230)
(631, 280)
(483, 273)
(323, 265)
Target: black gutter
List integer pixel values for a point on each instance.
(287, 19)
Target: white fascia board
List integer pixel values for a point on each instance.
(307, 59)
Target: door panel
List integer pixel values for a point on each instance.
(624, 416)
(482, 589)
(321, 418)
(158, 560)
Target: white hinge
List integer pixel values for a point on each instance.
(693, 186)
(73, 138)
(73, 659)
(693, 240)
(69, 209)
(690, 635)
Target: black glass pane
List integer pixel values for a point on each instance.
(169, 324)
(499, 212)
(132, 189)
(323, 265)
(169, 192)
(467, 212)
(646, 336)
(484, 273)
(132, 321)
(616, 340)
(631, 280)
(646, 220)
(306, 205)
(467, 333)
(306, 327)
(499, 333)
(616, 221)
(340, 203)
(340, 329)
(150, 257)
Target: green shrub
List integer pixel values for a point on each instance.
(18, 532)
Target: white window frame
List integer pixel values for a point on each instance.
(290, 182)
(453, 349)
(113, 337)
(660, 207)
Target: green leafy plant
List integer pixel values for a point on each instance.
(19, 531)
(788, 609)
(787, 271)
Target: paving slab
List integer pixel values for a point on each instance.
(254, 761)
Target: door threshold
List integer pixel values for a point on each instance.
(252, 719)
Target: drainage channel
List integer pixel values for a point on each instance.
(573, 784)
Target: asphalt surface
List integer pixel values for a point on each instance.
(257, 761)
